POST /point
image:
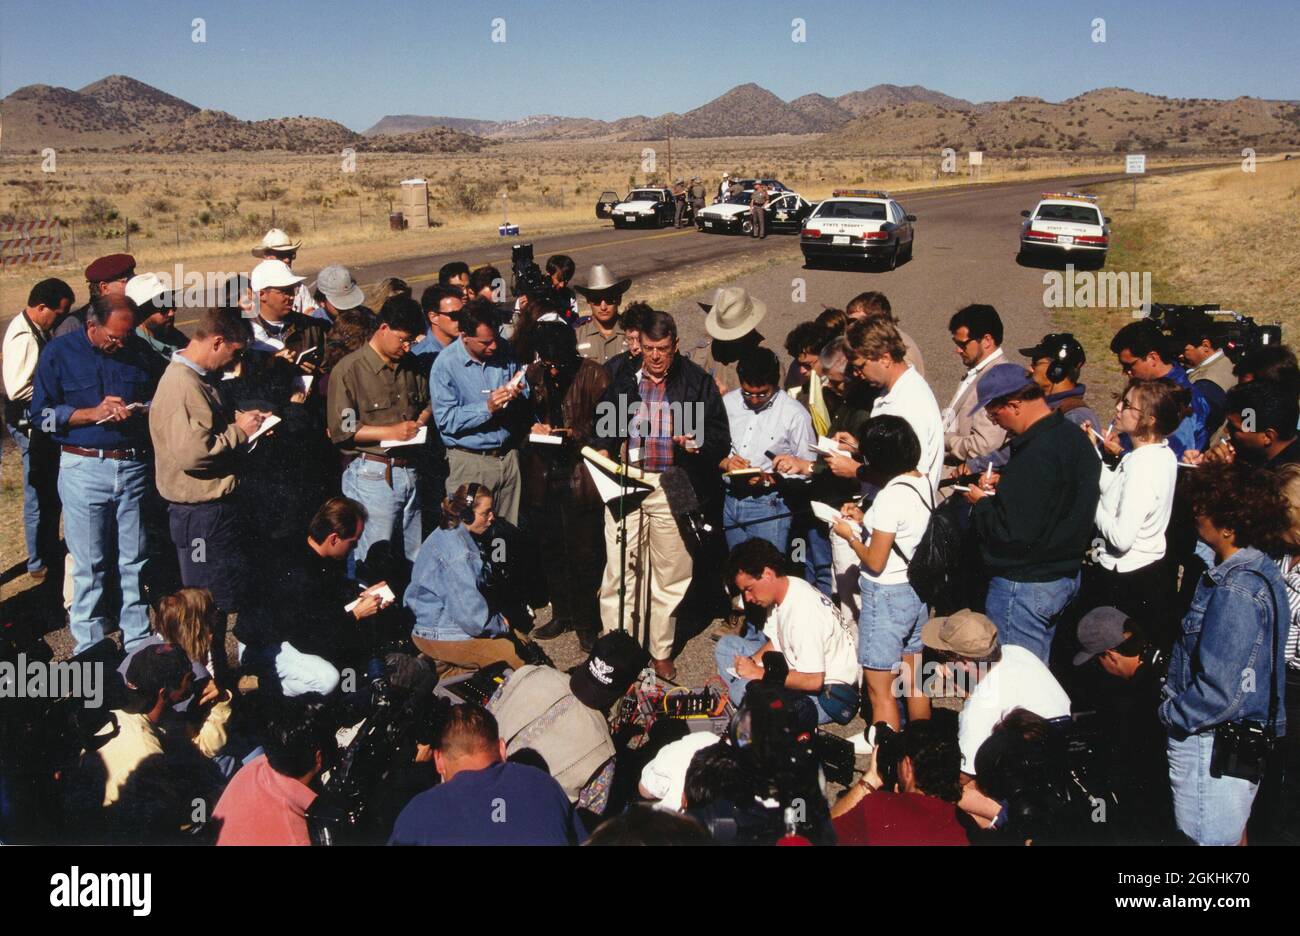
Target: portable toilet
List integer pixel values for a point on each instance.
(415, 202)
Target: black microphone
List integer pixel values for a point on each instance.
(682, 499)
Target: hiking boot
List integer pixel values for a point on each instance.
(551, 630)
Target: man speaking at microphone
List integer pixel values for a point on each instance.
(668, 414)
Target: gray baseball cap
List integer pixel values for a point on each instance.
(335, 282)
(1101, 629)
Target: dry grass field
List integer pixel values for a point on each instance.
(1215, 236)
(207, 210)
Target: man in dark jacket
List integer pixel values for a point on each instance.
(300, 631)
(563, 506)
(666, 414)
(1034, 520)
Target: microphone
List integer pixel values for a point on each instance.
(682, 499)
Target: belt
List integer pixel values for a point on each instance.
(501, 451)
(116, 454)
(390, 460)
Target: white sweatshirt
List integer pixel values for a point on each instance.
(1137, 497)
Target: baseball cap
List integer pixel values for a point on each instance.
(335, 282)
(1101, 629)
(1057, 344)
(144, 288)
(999, 381)
(966, 633)
(615, 662)
(271, 273)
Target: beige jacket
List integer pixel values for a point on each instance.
(194, 438)
(139, 739)
(971, 436)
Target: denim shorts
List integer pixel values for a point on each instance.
(889, 624)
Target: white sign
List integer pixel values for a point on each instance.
(976, 159)
(1135, 163)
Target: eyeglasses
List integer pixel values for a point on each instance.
(963, 343)
(603, 300)
(757, 394)
(650, 350)
(1124, 404)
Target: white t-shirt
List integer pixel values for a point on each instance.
(903, 508)
(1018, 680)
(813, 636)
(913, 400)
(1137, 498)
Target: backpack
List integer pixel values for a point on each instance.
(935, 569)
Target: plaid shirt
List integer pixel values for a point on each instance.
(655, 419)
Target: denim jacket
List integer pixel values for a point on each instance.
(1221, 666)
(445, 593)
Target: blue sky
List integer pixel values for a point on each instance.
(356, 61)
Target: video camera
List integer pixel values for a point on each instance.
(382, 742)
(1235, 333)
(528, 279)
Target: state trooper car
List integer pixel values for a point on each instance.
(644, 206)
(785, 211)
(856, 224)
(1068, 225)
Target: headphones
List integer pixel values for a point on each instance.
(1068, 357)
(467, 508)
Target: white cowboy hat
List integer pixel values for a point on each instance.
(733, 314)
(275, 241)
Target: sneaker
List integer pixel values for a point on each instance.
(38, 575)
(861, 746)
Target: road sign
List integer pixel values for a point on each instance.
(1135, 163)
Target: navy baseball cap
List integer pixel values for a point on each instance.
(1001, 380)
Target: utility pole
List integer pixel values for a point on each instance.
(669, 180)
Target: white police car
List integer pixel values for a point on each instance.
(858, 224)
(785, 211)
(652, 207)
(1066, 224)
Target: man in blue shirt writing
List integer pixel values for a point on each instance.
(474, 387)
(91, 395)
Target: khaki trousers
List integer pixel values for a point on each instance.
(498, 473)
(659, 567)
(462, 656)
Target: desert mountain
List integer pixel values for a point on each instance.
(118, 112)
(862, 103)
(1105, 120)
(121, 113)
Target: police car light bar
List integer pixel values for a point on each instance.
(859, 193)
(1091, 198)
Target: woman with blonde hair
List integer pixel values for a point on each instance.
(386, 289)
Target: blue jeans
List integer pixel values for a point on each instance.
(40, 497)
(818, 567)
(725, 653)
(103, 499)
(394, 510)
(1208, 810)
(298, 673)
(749, 509)
(1025, 612)
(889, 624)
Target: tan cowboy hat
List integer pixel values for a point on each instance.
(600, 281)
(275, 241)
(734, 314)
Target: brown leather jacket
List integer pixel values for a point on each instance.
(543, 466)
